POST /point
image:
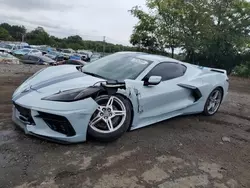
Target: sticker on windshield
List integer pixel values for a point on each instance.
(141, 61)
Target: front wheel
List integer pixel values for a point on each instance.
(111, 119)
(213, 102)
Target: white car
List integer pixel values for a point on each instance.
(67, 52)
(120, 92)
(8, 58)
(10, 47)
(7, 48)
(27, 51)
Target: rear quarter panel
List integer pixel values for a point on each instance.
(214, 80)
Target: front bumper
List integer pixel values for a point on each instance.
(70, 125)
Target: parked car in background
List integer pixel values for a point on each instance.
(85, 52)
(37, 59)
(8, 48)
(95, 57)
(55, 55)
(22, 45)
(59, 58)
(26, 51)
(71, 62)
(8, 58)
(75, 57)
(67, 53)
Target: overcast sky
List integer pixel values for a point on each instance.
(90, 19)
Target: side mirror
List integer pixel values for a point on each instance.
(153, 80)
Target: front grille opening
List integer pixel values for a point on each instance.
(57, 123)
(25, 114)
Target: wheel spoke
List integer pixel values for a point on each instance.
(119, 113)
(210, 106)
(217, 101)
(95, 120)
(109, 124)
(215, 96)
(110, 102)
(99, 108)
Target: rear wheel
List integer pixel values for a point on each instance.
(213, 102)
(111, 119)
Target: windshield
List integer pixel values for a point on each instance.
(53, 53)
(118, 66)
(7, 46)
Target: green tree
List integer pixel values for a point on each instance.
(39, 37)
(211, 32)
(167, 16)
(74, 39)
(15, 31)
(144, 33)
(4, 34)
(229, 33)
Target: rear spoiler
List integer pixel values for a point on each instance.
(222, 71)
(219, 71)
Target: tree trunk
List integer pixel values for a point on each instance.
(172, 52)
(193, 57)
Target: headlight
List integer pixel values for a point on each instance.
(73, 94)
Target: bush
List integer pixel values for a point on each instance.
(242, 70)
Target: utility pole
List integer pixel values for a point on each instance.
(22, 37)
(104, 38)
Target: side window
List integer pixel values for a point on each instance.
(167, 71)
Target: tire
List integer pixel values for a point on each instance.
(101, 130)
(217, 102)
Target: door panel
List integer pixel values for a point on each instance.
(163, 98)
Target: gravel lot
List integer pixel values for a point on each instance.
(191, 151)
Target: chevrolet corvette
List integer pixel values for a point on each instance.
(115, 94)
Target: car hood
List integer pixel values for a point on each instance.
(53, 79)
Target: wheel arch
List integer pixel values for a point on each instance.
(222, 90)
(132, 109)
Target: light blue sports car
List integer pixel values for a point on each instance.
(120, 92)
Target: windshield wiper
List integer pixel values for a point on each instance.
(93, 74)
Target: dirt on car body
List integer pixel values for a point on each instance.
(188, 151)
